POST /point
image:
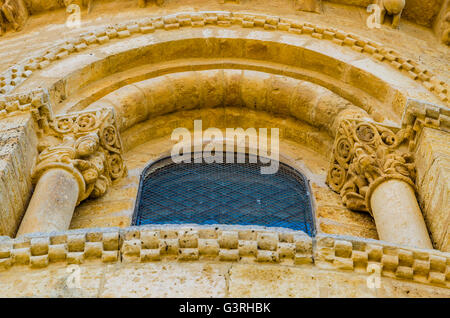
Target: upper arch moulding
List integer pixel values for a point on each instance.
(312, 51)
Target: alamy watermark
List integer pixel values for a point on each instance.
(374, 20)
(73, 279)
(214, 147)
(74, 19)
(374, 280)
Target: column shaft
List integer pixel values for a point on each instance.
(397, 215)
(52, 204)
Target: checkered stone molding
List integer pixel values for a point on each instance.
(152, 244)
(347, 253)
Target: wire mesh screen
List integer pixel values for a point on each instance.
(223, 193)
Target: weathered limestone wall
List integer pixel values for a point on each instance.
(433, 181)
(203, 279)
(377, 70)
(18, 150)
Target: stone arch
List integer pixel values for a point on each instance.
(276, 94)
(369, 84)
(118, 66)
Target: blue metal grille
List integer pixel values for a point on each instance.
(223, 193)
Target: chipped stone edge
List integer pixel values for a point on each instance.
(140, 244)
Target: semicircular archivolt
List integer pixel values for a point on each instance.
(339, 69)
(301, 146)
(252, 90)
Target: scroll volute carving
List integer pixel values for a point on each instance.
(364, 155)
(14, 13)
(88, 145)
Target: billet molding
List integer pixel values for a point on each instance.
(18, 73)
(225, 244)
(309, 5)
(365, 154)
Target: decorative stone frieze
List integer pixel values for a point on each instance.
(395, 261)
(88, 145)
(153, 244)
(444, 28)
(18, 73)
(15, 12)
(365, 155)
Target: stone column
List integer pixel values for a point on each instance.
(80, 156)
(53, 203)
(373, 171)
(397, 214)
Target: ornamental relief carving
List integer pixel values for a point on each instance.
(88, 145)
(364, 155)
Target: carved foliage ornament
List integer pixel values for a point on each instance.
(88, 145)
(364, 155)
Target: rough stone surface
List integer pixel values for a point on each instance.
(304, 67)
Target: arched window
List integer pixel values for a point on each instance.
(225, 194)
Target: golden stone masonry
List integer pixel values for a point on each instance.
(91, 91)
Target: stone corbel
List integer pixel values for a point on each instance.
(393, 8)
(446, 29)
(87, 145)
(15, 12)
(143, 3)
(309, 5)
(366, 154)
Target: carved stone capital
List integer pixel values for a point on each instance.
(88, 145)
(366, 154)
